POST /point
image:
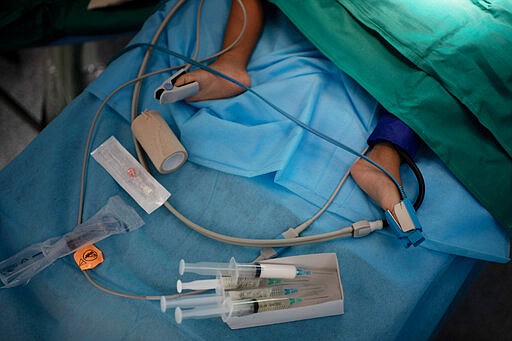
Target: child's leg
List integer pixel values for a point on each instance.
(234, 62)
(374, 182)
(389, 131)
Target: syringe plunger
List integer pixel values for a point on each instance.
(202, 284)
(189, 301)
(200, 313)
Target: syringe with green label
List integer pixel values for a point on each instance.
(297, 289)
(235, 308)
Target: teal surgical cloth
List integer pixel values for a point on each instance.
(465, 45)
(422, 99)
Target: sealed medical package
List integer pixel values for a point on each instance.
(130, 174)
(113, 218)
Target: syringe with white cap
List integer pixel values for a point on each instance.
(234, 269)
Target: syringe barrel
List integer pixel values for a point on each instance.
(234, 269)
(258, 305)
(200, 312)
(203, 284)
(232, 283)
(291, 290)
(189, 301)
(284, 271)
(219, 283)
(205, 268)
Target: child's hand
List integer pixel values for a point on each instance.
(215, 87)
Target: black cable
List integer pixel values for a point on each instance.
(417, 173)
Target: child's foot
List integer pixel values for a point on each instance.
(216, 87)
(373, 181)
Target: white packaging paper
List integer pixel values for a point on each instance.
(130, 174)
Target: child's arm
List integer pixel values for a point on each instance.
(239, 55)
(234, 62)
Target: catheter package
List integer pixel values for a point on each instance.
(130, 174)
(326, 261)
(114, 218)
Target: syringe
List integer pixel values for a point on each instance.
(234, 283)
(190, 301)
(289, 290)
(233, 308)
(221, 282)
(234, 269)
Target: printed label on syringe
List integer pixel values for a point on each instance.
(230, 283)
(278, 304)
(262, 292)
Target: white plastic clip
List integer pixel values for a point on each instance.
(167, 92)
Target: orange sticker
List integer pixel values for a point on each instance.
(88, 257)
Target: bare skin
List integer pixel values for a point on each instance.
(374, 182)
(233, 63)
(215, 87)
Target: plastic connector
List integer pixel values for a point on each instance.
(363, 228)
(405, 224)
(271, 252)
(266, 253)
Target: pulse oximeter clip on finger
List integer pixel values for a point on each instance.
(167, 92)
(405, 223)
